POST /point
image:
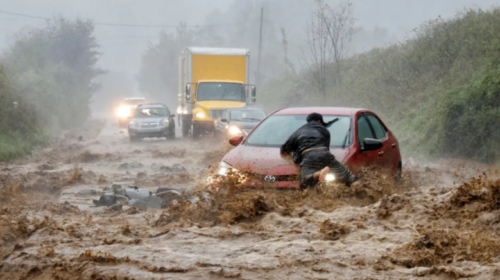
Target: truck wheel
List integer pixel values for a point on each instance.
(133, 138)
(186, 126)
(196, 131)
(171, 135)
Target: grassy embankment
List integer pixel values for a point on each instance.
(439, 90)
(50, 71)
(19, 131)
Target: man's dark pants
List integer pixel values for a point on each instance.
(314, 161)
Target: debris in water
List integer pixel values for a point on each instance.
(244, 206)
(132, 165)
(151, 202)
(482, 189)
(46, 166)
(176, 168)
(179, 153)
(435, 246)
(141, 175)
(88, 157)
(117, 207)
(390, 204)
(76, 176)
(332, 230)
(106, 199)
(102, 180)
(169, 196)
(160, 190)
(136, 193)
(87, 192)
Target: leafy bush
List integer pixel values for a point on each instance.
(470, 124)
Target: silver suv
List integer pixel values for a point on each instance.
(151, 120)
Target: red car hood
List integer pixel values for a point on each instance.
(267, 161)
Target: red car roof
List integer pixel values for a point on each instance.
(340, 111)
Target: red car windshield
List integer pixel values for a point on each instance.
(275, 130)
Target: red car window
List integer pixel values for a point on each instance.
(364, 130)
(378, 128)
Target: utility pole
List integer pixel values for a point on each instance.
(258, 79)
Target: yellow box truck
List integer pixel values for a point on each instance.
(211, 80)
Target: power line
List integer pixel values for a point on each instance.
(139, 25)
(15, 14)
(122, 24)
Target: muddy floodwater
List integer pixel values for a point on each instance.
(442, 222)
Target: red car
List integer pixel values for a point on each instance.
(359, 138)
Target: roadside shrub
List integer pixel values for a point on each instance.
(470, 124)
(20, 129)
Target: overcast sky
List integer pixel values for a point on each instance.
(122, 46)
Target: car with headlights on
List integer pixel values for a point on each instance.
(126, 108)
(359, 138)
(238, 121)
(151, 120)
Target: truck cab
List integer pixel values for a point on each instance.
(212, 98)
(210, 81)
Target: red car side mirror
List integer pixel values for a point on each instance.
(236, 140)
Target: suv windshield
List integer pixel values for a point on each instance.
(150, 113)
(247, 115)
(221, 91)
(275, 130)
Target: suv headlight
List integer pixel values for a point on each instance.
(234, 130)
(223, 168)
(200, 115)
(123, 112)
(131, 124)
(164, 122)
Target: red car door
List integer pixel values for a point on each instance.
(386, 154)
(360, 159)
(389, 143)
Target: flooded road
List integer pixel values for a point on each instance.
(441, 223)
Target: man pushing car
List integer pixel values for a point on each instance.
(309, 147)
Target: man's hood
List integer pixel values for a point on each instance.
(267, 161)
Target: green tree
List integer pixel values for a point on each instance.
(54, 67)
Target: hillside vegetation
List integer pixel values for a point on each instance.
(50, 72)
(439, 91)
(19, 128)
